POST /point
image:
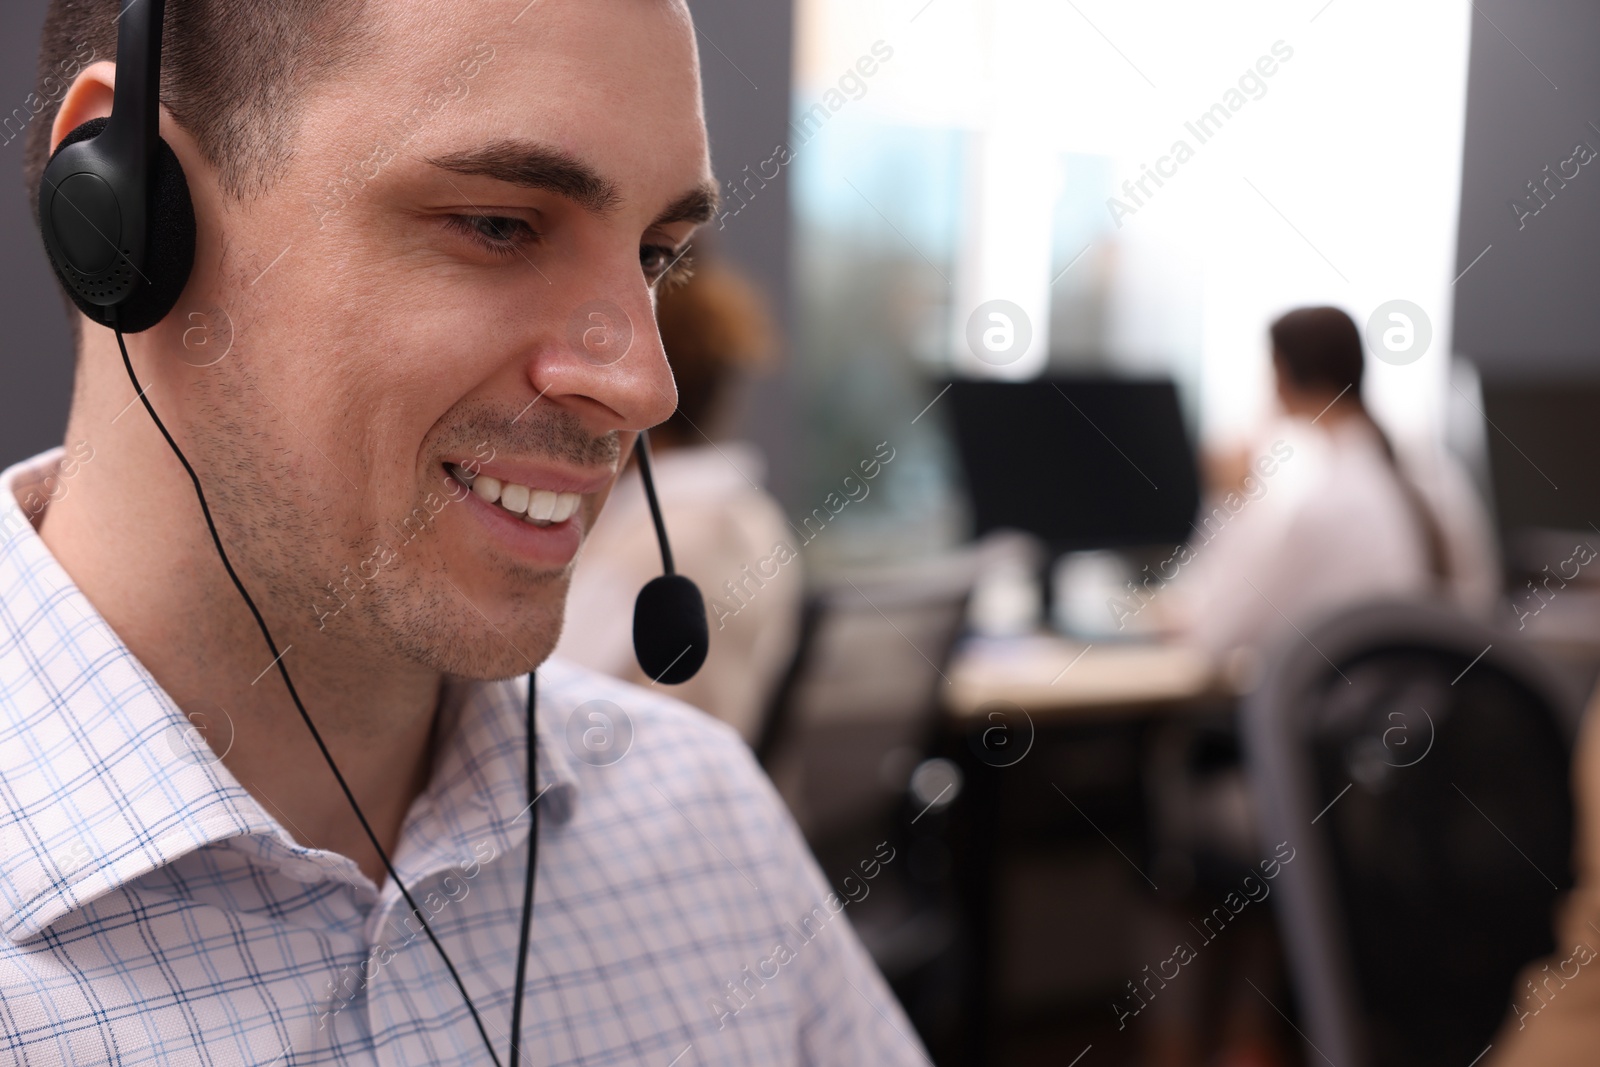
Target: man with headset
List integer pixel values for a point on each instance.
(357, 366)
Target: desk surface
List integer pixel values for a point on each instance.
(1055, 676)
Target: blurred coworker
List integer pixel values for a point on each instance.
(1324, 514)
(713, 327)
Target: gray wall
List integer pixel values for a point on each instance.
(35, 348)
(745, 63)
(1530, 305)
(747, 114)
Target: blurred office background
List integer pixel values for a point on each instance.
(1064, 802)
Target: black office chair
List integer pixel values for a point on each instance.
(854, 719)
(858, 706)
(1417, 763)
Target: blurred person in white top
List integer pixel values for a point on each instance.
(1324, 514)
(714, 328)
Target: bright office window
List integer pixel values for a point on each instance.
(1148, 184)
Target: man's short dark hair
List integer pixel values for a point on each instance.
(234, 75)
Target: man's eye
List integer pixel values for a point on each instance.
(499, 234)
(659, 261)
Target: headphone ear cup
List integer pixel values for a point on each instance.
(169, 242)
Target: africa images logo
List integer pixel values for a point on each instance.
(599, 732)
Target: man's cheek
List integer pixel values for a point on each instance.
(590, 510)
(594, 503)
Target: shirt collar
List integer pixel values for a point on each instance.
(478, 790)
(101, 780)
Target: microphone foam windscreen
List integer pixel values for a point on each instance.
(670, 635)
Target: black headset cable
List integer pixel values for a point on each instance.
(527, 883)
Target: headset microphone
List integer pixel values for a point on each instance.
(670, 635)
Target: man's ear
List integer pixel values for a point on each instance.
(89, 97)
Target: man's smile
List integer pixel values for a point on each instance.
(535, 510)
(539, 507)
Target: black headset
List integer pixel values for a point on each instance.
(119, 228)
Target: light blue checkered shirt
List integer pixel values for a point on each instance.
(153, 911)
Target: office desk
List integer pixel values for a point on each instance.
(1063, 788)
(1059, 678)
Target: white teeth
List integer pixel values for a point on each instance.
(487, 487)
(542, 505)
(514, 497)
(539, 507)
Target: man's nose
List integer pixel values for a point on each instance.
(607, 362)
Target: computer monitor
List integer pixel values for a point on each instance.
(1081, 462)
(1541, 467)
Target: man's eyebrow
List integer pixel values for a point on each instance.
(698, 205)
(536, 166)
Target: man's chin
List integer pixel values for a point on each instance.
(488, 660)
(488, 642)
